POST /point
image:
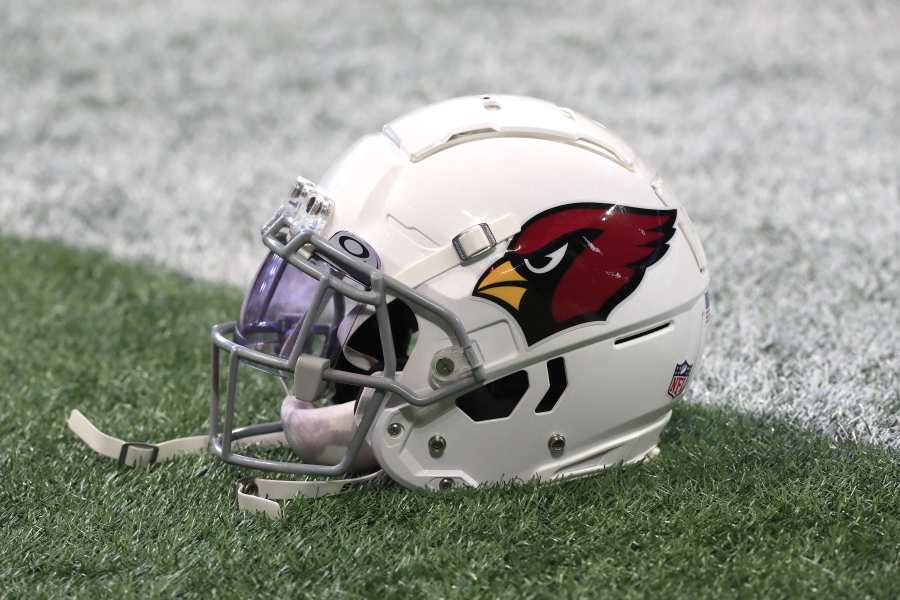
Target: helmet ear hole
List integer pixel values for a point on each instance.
(495, 400)
(362, 352)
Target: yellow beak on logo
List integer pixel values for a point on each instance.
(504, 283)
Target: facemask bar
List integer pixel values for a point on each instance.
(309, 371)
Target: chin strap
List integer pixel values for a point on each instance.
(133, 454)
(253, 494)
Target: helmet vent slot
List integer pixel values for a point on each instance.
(459, 137)
(642, 334)
(605, 150)
(495, 400)
(556, 373)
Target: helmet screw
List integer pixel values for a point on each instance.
(556, 444)
(445, 483)
(394, 429)
(436, 445)
(444, 366)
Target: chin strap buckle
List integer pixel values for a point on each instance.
(140, 459)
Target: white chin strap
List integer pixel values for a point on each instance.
(254, 494)
(258, 495)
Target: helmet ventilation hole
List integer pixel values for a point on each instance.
(496, 400)
(642, 334)
(556, 373)
(490, 103)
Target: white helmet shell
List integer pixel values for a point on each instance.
(609, 376)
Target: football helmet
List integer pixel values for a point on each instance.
(491, 289)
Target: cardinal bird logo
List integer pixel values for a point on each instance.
(574, 264)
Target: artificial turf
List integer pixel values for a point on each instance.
(735, 505)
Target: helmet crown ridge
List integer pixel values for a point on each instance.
(427, 131)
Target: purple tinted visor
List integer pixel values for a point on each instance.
(277, 304)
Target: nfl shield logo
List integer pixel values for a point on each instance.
(679, 379)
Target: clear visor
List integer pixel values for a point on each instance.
(276, 306)
(345, 331)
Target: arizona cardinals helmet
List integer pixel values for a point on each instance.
(492, 288)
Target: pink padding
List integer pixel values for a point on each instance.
(321, 435)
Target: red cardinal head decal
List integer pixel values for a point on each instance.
(574, 263)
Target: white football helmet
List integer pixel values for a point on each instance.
(492, 288)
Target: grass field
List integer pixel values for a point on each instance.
(735, 505)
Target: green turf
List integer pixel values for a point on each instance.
(734, 505)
